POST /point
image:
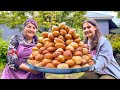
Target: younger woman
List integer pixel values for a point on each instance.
(105, 66)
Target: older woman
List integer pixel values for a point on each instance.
(20, 48)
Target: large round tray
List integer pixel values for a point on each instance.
(59, 71)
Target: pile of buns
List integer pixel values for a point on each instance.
(60, 48)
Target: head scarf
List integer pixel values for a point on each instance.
(31, 21)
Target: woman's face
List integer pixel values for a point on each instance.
(30, 30)
(89, 30)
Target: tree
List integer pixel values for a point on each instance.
(15, 19)
(45, 19)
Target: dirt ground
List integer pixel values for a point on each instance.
(0, 73)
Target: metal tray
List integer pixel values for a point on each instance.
(59, 71)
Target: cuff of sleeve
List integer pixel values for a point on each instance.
(17, 65)
(92, 68)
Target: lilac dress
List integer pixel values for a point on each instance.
(23, 51)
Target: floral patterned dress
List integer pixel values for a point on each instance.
(18, 51)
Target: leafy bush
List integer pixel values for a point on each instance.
(3, 51)
(1, 32)
(39, 34)
(2, 65)
(80, 32)
(115, 41)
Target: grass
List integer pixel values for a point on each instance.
(64, 76)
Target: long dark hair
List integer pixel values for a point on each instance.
(96, 37)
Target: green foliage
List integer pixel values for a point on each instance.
(45, 19)
(115, 41)
(13, 19)
(80, 32)
(118, 14)
(1, 33)
(3, 50)
(78, 18)
(39, 34)
(73, 18)
(2, 64)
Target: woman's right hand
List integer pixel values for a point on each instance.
(33, 71)
(27, 68)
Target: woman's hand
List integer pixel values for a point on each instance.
(27, 68)
(33, 71)
(90, 69)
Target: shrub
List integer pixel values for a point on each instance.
(115, 42)
(80, 32)
(3, 51)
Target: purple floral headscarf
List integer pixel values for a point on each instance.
(31, 21)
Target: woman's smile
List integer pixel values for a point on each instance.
(87, 32)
